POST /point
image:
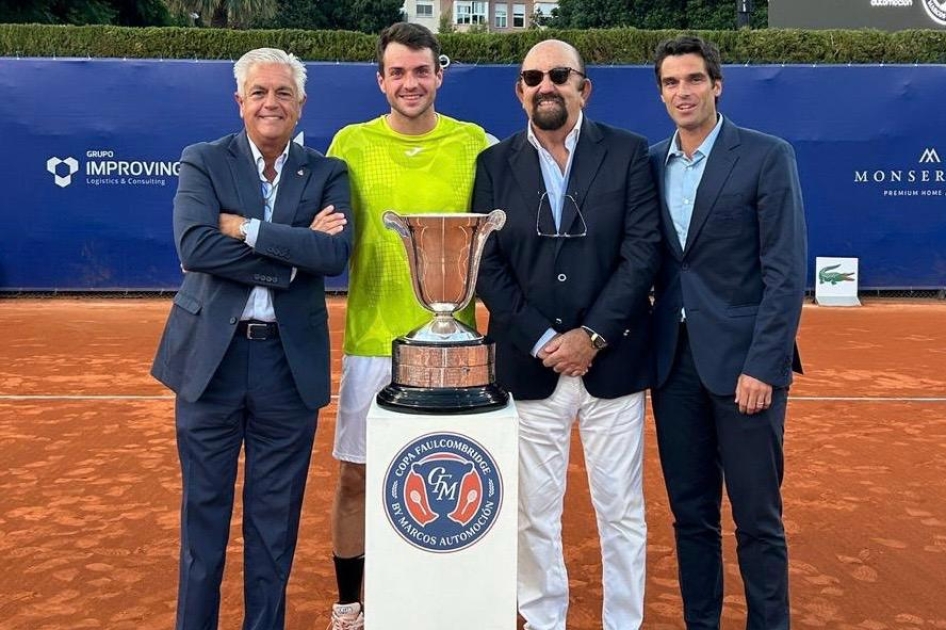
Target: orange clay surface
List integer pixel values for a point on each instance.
(89, 480)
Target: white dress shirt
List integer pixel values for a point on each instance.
(259, 306)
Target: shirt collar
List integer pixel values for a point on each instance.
(261, 162)
(570, 140)
(705, 147)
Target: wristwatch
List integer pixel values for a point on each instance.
(243, 228)
(597, 340)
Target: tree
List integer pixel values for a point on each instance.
(581, 14)
(446, 24)
(118, 12)
(375, 15)
(367, 16)
(654, 14)
(539, 19)
(226, 13)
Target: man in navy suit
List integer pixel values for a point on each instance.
(258, 222)
(567, 284)
(728, 300)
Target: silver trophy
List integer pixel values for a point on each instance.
(444, 366)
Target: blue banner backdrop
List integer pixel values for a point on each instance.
(90, 149)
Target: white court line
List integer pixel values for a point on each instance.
(867, 399)
(92, 397)
(86, 397)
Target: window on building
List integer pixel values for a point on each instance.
(518, 16)
(501, 16)
(479, 14)
(462, 12)
(470, 13)
(425, 10)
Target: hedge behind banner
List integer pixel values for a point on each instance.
(597, 46)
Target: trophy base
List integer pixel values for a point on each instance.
(440, 401)
(438, 378)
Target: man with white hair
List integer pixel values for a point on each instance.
(258, 223)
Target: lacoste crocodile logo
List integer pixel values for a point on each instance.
(827, 275)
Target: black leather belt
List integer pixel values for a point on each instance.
(258, 331)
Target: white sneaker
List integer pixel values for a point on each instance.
(347, 617)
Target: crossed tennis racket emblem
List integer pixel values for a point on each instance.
(443, 486)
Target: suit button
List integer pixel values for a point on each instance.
(685, 266)
(233, 320)
(558, 320)
(562, 277)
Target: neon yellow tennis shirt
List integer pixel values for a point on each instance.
(428, 173)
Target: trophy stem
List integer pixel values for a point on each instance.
(445, 329)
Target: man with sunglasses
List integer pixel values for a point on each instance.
(566, 282)
(727, 305)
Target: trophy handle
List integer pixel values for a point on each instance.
(393, 221)
(495, 220)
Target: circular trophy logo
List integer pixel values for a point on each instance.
(442, 492)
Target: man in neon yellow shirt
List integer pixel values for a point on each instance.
(412, 160)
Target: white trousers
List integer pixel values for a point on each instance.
(362, 379)
(612, 437)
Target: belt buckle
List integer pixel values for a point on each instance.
(261, 327)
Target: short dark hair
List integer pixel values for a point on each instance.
(689, 44)
(414, 36)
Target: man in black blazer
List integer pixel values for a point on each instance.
(258, 222)
(728, 301)
(566, 282)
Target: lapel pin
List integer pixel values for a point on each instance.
(300, 172)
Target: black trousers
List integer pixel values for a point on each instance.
(704, 443)
(251, 404)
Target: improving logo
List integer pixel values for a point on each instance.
(442, 492)
(71, 165)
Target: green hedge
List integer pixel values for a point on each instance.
(613, 46)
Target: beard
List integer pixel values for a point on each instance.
(549, 119)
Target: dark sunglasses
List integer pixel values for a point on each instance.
(558, 76)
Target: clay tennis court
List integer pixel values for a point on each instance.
(89, 480)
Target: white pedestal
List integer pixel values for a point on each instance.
(441, 520)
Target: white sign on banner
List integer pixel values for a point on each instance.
(836, 281)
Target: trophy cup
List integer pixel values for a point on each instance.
(444, 366)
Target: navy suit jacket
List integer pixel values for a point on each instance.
(221, 176)
(532, 283)
(741, 274)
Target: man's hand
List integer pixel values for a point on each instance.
(569, 353)
(329, 221)
(230, 225)
(752, 395)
